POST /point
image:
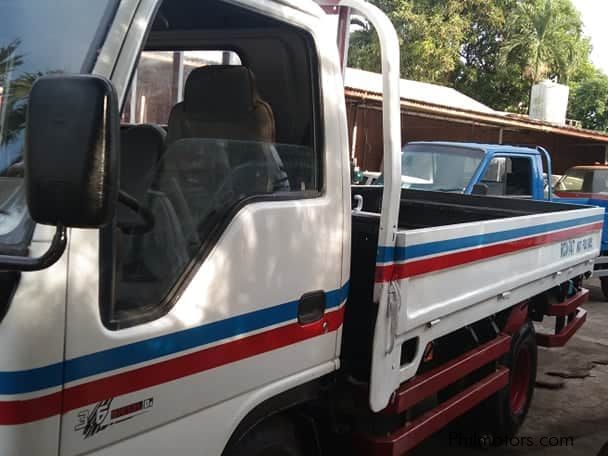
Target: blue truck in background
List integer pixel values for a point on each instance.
(505, 171)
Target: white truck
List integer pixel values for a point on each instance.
(205, 287)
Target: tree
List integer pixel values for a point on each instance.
(480, 72)
(493, 51)
(16, 88)
(589, 102)
(430, 34)
(548, 33)
(515, 43)
(9, 61)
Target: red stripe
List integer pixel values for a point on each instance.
(414, 268)
(19, 412)
(596, 196)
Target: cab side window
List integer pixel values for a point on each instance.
(509, 176)
(495, 177)
(600, 182)
(203, 135)
(519, 176)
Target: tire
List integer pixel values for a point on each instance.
(508, 408)
(275, 436)
(604, 281)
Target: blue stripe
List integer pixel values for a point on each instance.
(19, 382)
(147, 350)
(389, 254)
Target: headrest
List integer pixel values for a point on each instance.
(219, 89)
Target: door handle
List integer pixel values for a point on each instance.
(311, 307)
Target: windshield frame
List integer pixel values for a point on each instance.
(462, 149)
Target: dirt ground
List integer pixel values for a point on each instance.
(569, 412)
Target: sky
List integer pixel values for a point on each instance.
(595, 15)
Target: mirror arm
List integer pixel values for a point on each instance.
(143, 212)
(50, 257)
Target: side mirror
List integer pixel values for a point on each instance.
(71, 151)
(70, 159)
(479, 189)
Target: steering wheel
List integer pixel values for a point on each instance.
(144, 213)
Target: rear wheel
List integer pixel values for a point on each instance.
(604, 281)
(274, 437)
(510, 406)
(499, 417)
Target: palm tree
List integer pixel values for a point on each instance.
(16, 106)
(549, 34)
(16, 89)
(9, 59)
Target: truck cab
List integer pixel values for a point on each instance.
(470, 168)
(198, 272)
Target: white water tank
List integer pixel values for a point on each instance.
(549, 102)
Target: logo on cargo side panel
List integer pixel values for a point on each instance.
(95, 420)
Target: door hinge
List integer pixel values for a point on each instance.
(393, 308)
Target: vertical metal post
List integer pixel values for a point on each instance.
(344, 35)
(226, 57)
(353, 153)
(606, 154)
(384, 377)
(133, 100)
(178, 77)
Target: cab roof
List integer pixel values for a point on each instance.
(598, 167)
(485, 148)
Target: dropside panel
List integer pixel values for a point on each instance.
(440, 279)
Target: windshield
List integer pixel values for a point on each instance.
(438, 168)
(36, 39)
(581, 180)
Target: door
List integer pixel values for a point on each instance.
(511, 175)
(225, 278)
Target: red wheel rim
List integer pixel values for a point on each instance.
(520, 381)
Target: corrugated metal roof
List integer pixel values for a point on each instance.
(418, 91)
(433, 99)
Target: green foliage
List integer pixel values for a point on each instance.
(16, 87)
(549, 34)
(589, 102)
(481, 73)
(491, 50)
(430, 34)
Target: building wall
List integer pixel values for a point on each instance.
(565, 150)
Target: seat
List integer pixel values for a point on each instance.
(141, 263)
(588, 183)
(141, 147)
(519, 179)
(220, 143)
(221, 101)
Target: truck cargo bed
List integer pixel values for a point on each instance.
(457, 259)
(423, 209)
